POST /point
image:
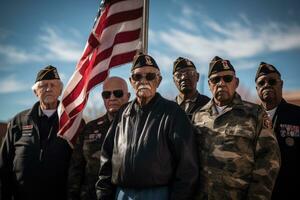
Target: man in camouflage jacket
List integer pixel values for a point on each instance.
(238, 151)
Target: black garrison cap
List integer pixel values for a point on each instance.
(217, 64)
(264, 69)
(181, 63)
(143, 60)
(48, 73)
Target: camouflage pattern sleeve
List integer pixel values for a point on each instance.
(76, 170)
(267, 160)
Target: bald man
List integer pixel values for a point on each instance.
(85, 162)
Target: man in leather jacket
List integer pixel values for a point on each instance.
(286, 125)
(149, 151)
(34, 161)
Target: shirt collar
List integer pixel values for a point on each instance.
(180, 100)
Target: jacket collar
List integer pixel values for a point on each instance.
(235, 103)
(180, 100)
(133, 105)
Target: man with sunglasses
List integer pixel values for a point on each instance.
(286, 125)
(185, 77)
(238, 151)
(149, 152)
(85, 162)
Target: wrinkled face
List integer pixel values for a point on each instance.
(114, 94)
(269, 88)
(48, 91)
(186, 80)
(223, 85)
(145, 81)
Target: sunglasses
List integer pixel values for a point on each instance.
(190, 73)
(270, 82)
(117, 94)
(148, 76)
(217, 79)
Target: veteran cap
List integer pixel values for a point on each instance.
(48, 73)
(181, 63)
(264, 69)
(217, 64)
(143, 60)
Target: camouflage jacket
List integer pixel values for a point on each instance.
(239, 154)
(85, 162)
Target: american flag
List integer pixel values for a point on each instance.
(114, 40)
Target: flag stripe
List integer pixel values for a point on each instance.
(121, 17)
(105, 43)
(121, 11)
(114, 40)
(115, 61)
(120, 38)
(129, 26)
(120, 49)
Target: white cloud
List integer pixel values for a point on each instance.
(187, 24)
(50, 45)
(245, 18)
(164, 61)
(16, 55)
(59, 47)
(245, 64)
(11, 84)
(187, 11)
(236, 40)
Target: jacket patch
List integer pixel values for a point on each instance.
(267, 123)
(93, 137)
(27, 130)
(27, 127)
(288, 130)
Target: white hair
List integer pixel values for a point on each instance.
(35, 86)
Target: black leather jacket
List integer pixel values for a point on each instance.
(31, 168)
(149, 147)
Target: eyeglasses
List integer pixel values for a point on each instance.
(190, 73)
(117, 94)
(217, 79)
(148, 76)
(270, 82)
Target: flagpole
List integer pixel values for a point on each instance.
(145, 26)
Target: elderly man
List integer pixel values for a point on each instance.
(185, 77)
(85, 161)
(149, 151)
(286, 124)
(34, 161)
(238, 151)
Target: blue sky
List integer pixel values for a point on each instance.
(36, 33)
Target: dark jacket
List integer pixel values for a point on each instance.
(32, 169)
(193, 104)
(85, 161)
(286, 123)
(148, 147)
